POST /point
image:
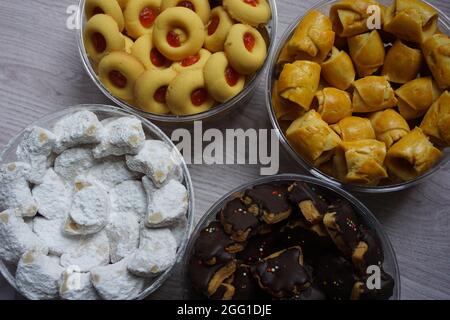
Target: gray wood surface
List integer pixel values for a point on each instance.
(41, 72)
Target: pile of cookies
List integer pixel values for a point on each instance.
(91, 209)
(364, 105)
(287, 241)
(176, 56)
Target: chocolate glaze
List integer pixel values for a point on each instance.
(246, 287)
(348, 224)
(201, 274)
(235, 214)
(271, 198)
(299, 192)
(386, 290)
(213, 243)
(374, 254)
(260, 247)
(283, 276)
(335, 276)
(311, 293)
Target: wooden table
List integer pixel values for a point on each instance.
(41, 72)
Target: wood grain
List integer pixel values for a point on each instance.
(41, 72)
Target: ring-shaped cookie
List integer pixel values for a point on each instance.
(123, 3)
(245, 48)
(129, 43)
(187, 94)
(151, 88)
(108, 7)
(118, 71)
(196, 61)
(222, 81)
(148, 55)
(102, 36)
(217, 30)
(252, 12)
(140, 16)
(178, 33)
(200, 7)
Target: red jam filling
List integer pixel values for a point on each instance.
(231, 76)
(97, 10)
(99, 42)
(213, 25)
(160, 94)
(199, 96)
(118, 79)
(249, 41)
(186, 4)
(189, 61)
(173, 39)
(157, 59)
(147, 17)
(253, 3)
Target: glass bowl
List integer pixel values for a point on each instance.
(324, 7)
(242, 99)
(8, 154)
(390, 264)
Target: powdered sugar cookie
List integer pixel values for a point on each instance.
(123, 234)
(130, 197)
(75, 285)
(73, 162)
(52, 234)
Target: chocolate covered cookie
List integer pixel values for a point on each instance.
(368, 251)
(311, 205)
(360, 290)
(269, 201)
(237, 221)
(282, 274)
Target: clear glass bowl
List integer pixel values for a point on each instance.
(8, 154)
(324, 7)
(390, 264)
(242, 99)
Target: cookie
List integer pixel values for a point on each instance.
(260, 247)
(311, 205)
(283, 274)
(368, 251)
(245, 286)
(237, 221)
(224, 292)
(362, 292)
(268, 201)
(214, 246)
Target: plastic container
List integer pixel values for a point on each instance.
(324, 7)
(390, 264)
(8, 154)
(238, 101)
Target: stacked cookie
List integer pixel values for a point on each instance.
(173, 56)
(93, 209)
(366, 104)
(287, 241)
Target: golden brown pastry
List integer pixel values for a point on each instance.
(402, 63)
(284, 109)
(416, 97)
(361, 161)
(411, 20)
(313, 38)
(436, 123)
(354, 128)
(338, 69)
(412, 156)
(333, 104)
(349, 17)
(436, 51)
(389, 126)
(313, 138)
(299, 82)
(367, 52)
(373, 93)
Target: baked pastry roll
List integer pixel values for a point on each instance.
(338, 69)
(313, 138)
(416, 97)
(412, 156)
(362, 161)
(373, 93)
(367, 52)
(411, 20)
(402, 63)
(333, 104)
(349, 17)
(313, 38)
(284, 109)
(436, 123)
(299, 82)
(389, 126)
(436, 51)
(354, 128)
